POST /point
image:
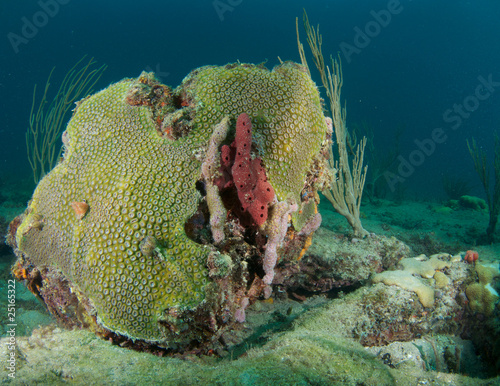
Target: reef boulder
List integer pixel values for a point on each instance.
(119, 228)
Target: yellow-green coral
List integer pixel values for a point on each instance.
(137, 185)
(284, 105)
(482, 296)
(129, 258)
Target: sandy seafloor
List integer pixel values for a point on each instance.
(307, 338)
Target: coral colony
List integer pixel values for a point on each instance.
(170, 209)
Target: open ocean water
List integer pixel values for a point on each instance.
(403, 69)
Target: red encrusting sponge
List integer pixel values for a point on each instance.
(248, 175)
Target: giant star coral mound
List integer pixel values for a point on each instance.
(117, 236)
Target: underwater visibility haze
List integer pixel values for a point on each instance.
(250, 192)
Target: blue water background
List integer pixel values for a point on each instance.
(426, 59)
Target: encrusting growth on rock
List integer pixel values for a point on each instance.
(80, 208)
(209, 170)
(246, 173)
(277, 231)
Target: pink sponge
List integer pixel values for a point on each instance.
(248, 175)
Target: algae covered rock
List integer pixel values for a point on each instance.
(122, 219)
(473, 202)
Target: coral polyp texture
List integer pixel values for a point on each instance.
(138, 187)
(121, 222)
(284, 106)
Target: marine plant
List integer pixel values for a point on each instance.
(456, 186)
(47, 119)
(346, 190)
(492, 194)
